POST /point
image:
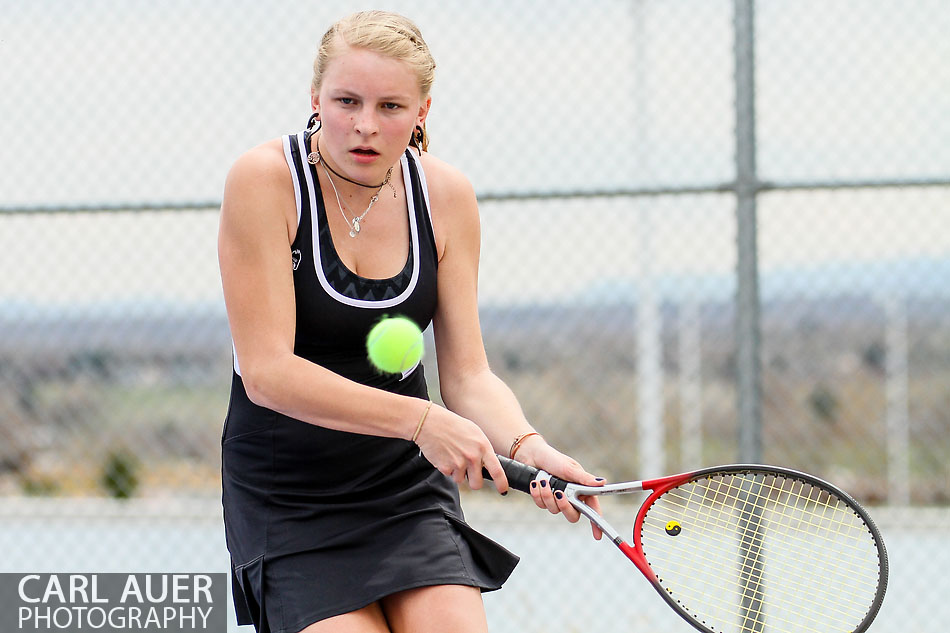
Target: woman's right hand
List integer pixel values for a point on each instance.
(459, 449)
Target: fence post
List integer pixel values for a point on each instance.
(747, 274)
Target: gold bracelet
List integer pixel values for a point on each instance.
(421, 422)
(517, 443)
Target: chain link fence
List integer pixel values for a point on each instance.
(601, 139)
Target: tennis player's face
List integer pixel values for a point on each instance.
(369, 105)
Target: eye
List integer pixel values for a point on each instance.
(347, 100)
(391, 106)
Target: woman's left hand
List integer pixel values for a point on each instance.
(538, 453)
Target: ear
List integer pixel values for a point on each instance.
(314, 100)
(424, 111)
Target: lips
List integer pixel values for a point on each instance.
(364, 155)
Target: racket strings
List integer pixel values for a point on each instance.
(823, 523)
(756, 547)
(856, 534)
(750, 567)
(747, 584)
(750, 589)
(724, 520)
(750, 546)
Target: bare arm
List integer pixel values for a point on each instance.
(468, 385)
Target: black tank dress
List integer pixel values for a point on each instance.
(321, 522)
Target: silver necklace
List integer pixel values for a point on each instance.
(355, 222)
(315, 157)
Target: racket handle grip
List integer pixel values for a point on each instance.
(521, 475)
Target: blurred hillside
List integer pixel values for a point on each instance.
(78, 388)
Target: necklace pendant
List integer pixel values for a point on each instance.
(355, 227)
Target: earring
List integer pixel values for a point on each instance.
(418, 139)
(313, 126)
(314, 120)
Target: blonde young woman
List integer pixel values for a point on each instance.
(340, 484)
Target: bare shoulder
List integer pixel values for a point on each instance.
(264, 164)
(446, 182)
(454, 207)
(259, 185)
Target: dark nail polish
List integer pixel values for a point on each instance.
(601, 479)
(559, 494)
(504, 494)
(544, 484)
(534, 484)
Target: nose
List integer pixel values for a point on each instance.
(365, 122)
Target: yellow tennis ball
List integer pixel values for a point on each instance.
(395, 345)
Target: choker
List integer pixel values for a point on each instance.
(314, 158)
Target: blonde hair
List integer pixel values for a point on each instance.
(382, 32)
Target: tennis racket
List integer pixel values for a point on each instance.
(746, 548)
